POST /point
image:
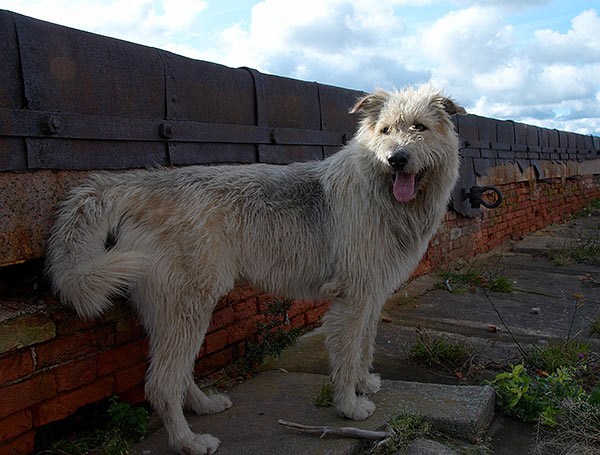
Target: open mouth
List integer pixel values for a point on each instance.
(406, 185)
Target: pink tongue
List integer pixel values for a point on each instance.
(404, 186)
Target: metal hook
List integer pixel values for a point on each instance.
(475, 196)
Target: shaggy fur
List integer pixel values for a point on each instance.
(349, 229)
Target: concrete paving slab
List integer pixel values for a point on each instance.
(250, 426)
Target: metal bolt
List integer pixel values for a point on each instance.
(166, 130)
(51, 124)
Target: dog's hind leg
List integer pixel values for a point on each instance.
(345, 326)
(176, 333)
(202, 403)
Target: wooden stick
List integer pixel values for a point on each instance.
(343, 432)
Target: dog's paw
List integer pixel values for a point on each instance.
(371, 383)
(217, 403)
(203, 404)
(359, 409)
(198, 444)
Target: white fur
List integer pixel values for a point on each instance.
(175, 240)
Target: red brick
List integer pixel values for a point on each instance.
(74, 346)
(221, 318)
(242, 329)
(130, 377)
(242, 293)
(15, 424)
(313, 315)
(128, 329)
(15, 365)
(19, 446)
(299, 307)
(65, 404)
(24, 394)
(216, 341)
(244, 309)
(298, 321)
(213, 362)
(134, 395)
(67, 322)
(75, 374)
(121, 357)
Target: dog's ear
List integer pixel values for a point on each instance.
(450, 106)
(371, 104)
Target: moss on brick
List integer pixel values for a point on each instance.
(24, 331)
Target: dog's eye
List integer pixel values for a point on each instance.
(385, 130)
(418, 127)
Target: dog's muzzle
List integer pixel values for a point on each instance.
(398, 160)
(405, 183)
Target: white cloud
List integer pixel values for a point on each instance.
(141, 21)
(581, 44)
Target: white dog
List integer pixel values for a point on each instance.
(350, 229)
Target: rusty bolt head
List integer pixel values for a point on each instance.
(51, 124)
(166, 130)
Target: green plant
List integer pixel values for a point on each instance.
(583, 251)
(576, 430)
(435, 352)
(459, 283)
(271, 338)
(500, 284)
(128, 420)
(530, 398)
(559, 354)
(595, 328)
(125, 425)
(404, 428)
(594, 398)
(325, 397)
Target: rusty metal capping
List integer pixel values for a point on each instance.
(53, 125)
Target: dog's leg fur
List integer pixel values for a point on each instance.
(174, 344)
(369, 382)
(345, 325)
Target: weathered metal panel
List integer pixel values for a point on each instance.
(12, 150)
(335, 104)
(71, 71)
(27, 204)
(207, 92)
(289, 103)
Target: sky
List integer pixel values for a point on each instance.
(532, 61)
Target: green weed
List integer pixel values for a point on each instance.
(404, 428)
(500, 284)
(271, 338)
(559, 354)
(126, 424)
(576, 430)
(461, 283)
(538, 397)
(325, 397)
(436, 352)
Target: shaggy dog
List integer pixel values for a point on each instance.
(350, 229)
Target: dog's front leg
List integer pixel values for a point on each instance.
(345, 326)
(369, 382)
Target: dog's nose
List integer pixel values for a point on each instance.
(398, 160)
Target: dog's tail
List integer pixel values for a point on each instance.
(84, 261)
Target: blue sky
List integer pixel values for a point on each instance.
(535, 61)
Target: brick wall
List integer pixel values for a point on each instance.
(52, 363)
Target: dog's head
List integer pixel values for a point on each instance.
(411, 136)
